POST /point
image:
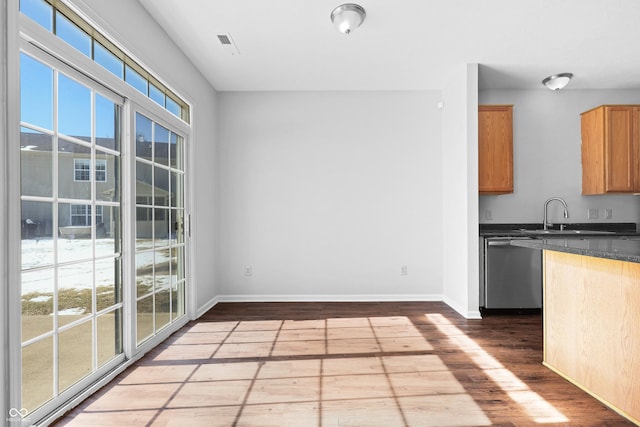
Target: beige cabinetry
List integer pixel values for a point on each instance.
(495, 149)
(611, 149)
(592, 327)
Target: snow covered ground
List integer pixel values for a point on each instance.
(80, 273)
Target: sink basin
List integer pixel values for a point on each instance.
(565, 232)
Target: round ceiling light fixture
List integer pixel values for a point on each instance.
(348, 17)
(557, 81)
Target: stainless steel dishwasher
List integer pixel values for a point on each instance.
(512, 275)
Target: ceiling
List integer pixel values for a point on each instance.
(290, 45)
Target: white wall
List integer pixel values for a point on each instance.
(546, 154)
(460, 187)
(133, 27)
(326, 194)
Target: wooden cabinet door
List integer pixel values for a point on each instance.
(611, 149)
(620, 151)
(495, 149)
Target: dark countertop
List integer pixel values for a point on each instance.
(622, 249)
(520, 229)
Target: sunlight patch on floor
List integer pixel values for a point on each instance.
(533, 404)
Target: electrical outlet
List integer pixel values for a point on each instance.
(248, 271)
(403, 270)
(608, 213)
(488, 214)
(592, 213)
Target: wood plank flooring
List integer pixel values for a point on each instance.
(344, 364)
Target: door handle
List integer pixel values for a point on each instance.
(499, 243)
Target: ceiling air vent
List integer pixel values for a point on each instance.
(227, 43)
(224, 39)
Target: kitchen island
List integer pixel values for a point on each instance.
(591, 310)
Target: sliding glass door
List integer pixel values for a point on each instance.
(101, 275)
(71, 229)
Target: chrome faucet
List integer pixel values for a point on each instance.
(546, 224)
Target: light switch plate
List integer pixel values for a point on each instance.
(592, 213)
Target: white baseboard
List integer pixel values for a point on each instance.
(206, 307)
(329, 298)
(467, 314)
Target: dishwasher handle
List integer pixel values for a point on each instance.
(499, 243)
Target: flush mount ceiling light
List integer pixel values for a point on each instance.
(557, 81)
(348, 17)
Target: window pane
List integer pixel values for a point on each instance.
(177, 227)
(74, 171)
(74, 109)
(108, 290)
(109, 336)
(72, 34)
(144, 319)
(143, 137)
(173, 107)
(75, 292)
(161, 187)
(106, 115)
(144, 228)
(177, 259)
(37, 234)
(37, 373)
(132, 77)
(108, 60)
(38, 10)
(37, 303)
(75, 241)
(176, 154)
(144, 177)
(177, 300)
(163, 309)
(36, 92)
(107, 228)
(156, 95)
(161, 149)
(161, 227)
(36, 163)
(107, 178)
(162, 272)
(144, 273)
(75, 353)
(177, 199)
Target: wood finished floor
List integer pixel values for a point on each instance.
(344, 364)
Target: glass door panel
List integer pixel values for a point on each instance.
(71, 284)
(160, 279)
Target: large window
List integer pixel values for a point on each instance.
(66, 25)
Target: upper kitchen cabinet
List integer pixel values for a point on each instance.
(610, 149)
(495, 149)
